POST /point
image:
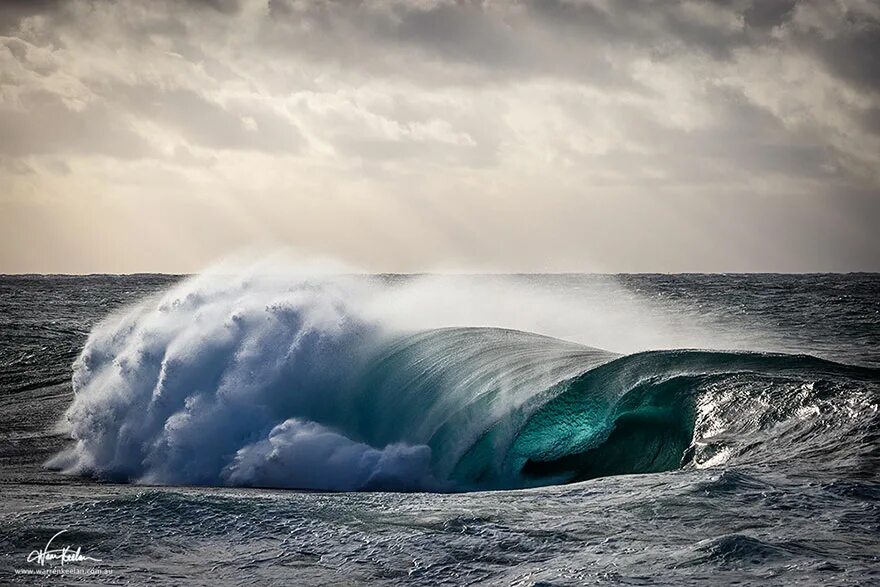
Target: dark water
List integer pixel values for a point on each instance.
(557, 430)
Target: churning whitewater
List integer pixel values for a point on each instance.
(347, 383)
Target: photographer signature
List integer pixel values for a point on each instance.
(65, 554)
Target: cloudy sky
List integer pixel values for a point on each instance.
(415, 135)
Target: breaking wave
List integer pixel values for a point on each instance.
(307, 383)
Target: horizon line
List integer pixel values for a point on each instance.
(458, 274)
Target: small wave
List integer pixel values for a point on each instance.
(738, 549)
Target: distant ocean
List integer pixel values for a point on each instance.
(254, 427)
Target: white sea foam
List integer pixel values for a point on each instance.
(307, 455)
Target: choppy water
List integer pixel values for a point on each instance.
(558, 430)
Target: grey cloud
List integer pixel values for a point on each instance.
(462, 33)
(207, 123)
(646, 26)
(869, 119)
(766, 14)
(755, 117)
(746, 137)
(526, 36)
(15, 166)
(853, 55)
(13, 11)
(225, 6)
(466, 46)
(742, 141)
(47, 125)
(562, 38)
(580, 41)
(444, 44)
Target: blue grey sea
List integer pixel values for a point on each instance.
(251, 429)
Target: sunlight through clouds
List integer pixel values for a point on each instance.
(383, 132)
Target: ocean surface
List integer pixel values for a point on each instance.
(254, 426)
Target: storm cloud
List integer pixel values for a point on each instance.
(410, 135)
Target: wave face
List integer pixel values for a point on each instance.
(272, 383)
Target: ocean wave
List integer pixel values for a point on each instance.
(266, 381)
